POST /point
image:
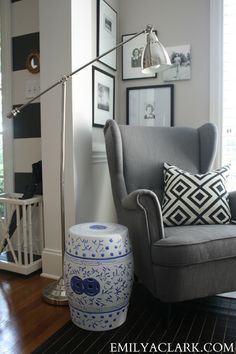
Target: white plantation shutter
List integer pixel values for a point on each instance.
(229, 88)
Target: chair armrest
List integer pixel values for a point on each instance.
(131, 200)
(147, 201)
(232, 205)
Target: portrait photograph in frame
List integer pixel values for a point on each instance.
(131, 57)
(106, 29)
(103, 97)
(150, 105)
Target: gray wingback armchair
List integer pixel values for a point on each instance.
(174, 263)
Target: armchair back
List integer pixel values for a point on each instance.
(136, 155)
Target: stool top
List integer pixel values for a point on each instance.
(98, 241)
(93, 229)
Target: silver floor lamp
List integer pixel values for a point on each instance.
(154, 59)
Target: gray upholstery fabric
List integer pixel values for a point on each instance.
(145, 168)
(207, 144)
(140, 198)
(188, 245)
(174, 284)
(176, 263)
(232, 204)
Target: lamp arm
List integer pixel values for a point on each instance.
(109, 51)
(13, 113)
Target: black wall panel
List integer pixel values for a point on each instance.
(21, 47)
(27, 123)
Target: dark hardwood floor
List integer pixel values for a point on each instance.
(25, 319)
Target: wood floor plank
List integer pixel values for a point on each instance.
(26, 320)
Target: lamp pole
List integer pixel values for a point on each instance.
(55, 292)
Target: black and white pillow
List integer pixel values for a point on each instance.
(191, 199)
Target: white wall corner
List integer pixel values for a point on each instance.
(55, 62)
(52, 263)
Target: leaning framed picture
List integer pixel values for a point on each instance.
(131, 57)
(103, 97)
(106, 29)
(150, 105)
(180, 57)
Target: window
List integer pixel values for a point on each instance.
(1, 130)
(229, 78)
(222, 78)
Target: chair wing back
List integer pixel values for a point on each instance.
(136, 154)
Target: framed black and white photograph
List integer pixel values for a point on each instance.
(131, 57)
(103, 97)
(180, 57)
(150, 105)
(106, 29)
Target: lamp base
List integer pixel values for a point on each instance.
(55, 293)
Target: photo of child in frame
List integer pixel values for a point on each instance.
(150, 111)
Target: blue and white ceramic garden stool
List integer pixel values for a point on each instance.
(98, 274)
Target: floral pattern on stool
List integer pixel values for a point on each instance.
(98, 275)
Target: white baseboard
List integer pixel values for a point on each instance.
(51, 263)
(49, 276)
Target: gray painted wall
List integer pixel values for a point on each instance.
(178, 22)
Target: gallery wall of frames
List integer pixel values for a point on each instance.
(149, 105)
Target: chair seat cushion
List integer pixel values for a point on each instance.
(188, 245)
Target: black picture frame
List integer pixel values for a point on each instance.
(150, 105)
(106, 33)
(131, 65)
(103, 97)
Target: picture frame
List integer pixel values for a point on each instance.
(131, 57)
(180, 57)
(150, 105)
(106, 29)
(103, 97)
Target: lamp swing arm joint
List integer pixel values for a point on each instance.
(14, 112)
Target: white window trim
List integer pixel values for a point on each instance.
(216, 70)
(5, 9)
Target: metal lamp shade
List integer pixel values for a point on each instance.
(154, 57)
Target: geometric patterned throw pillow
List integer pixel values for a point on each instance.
(191, 199)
